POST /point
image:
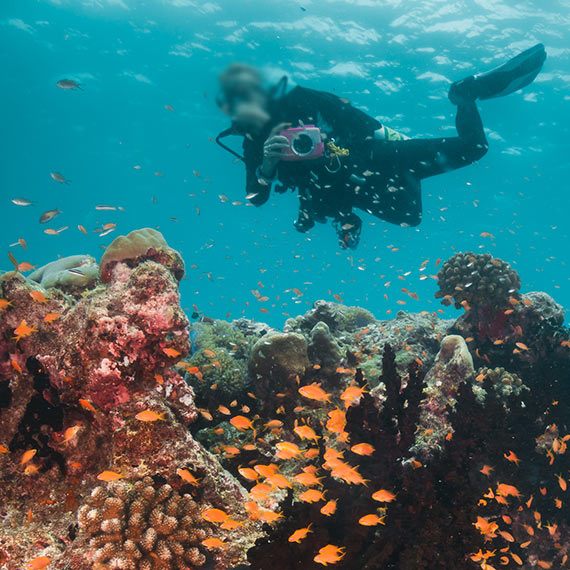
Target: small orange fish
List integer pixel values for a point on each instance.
(172, 352)
(241, 423)
(70, 433)
(314, 392)
(352, 395)
(31, 469)
(38, 563)
(329, 554)
(87, 405)
(82, 229)
(4, 304)
(507, 490)
(4, 449)
(371, 520)
(287, 450)
(209, 353)
(23, 331)
(38, 296)
(213, 542)
(248, 473)
(362, 449)
(305, 432)
(486, 470)
(300, 534)
(215, 515)
(51, 317)
(25, 266)
(311, 496)
(28, 455)
(187, 477)
(329, 508)
(511, 456)
(109, 476)
(383, 496)
(150, 416)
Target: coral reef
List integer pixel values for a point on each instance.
(136, 247)
(142, 526)
(412, 443)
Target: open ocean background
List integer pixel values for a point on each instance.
(395, 59)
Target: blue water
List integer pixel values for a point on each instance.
(393, 59)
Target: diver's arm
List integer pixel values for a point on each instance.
(346, 121)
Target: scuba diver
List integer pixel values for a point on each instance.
(339, 158)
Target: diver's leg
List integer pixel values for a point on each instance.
(422, 158)
(513, 75)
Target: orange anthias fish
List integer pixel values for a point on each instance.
(109, 476)
(305, 432)
(311, 496)
(172, 352)
(150, 416)
(352, 395)
(4, 304)
(486, 470)
(337, 421)
(287, 450)
(329, 554)
(362, 449)
(215, 515)
(23, 331)
(315, 392)
(87, 405)
(187, 477)
(507, 490)
(371, 520)
(213, 542)
(28, 455)
(241, 423)
(512, 457)
(4, 449)
(38, 296)
(50, 317)
(300, 534)
(329, 508)
(38, 563)
(383, 496)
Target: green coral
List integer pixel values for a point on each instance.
(227, 367)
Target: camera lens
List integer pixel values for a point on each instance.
(303, 144)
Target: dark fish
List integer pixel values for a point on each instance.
(22, 202)
(68, 84)
(49, 215)
(76, 271)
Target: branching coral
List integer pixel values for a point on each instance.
(143, 527)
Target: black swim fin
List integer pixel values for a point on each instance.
(513, 75)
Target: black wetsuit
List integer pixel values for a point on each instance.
(381, 177)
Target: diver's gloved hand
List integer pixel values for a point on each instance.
(348, 229)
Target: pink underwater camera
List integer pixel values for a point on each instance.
(304, 143)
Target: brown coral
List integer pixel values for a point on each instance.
(142, 527)
(478, 279)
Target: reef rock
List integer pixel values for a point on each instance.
(323, 348)
(276, 359)
(453, 366)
